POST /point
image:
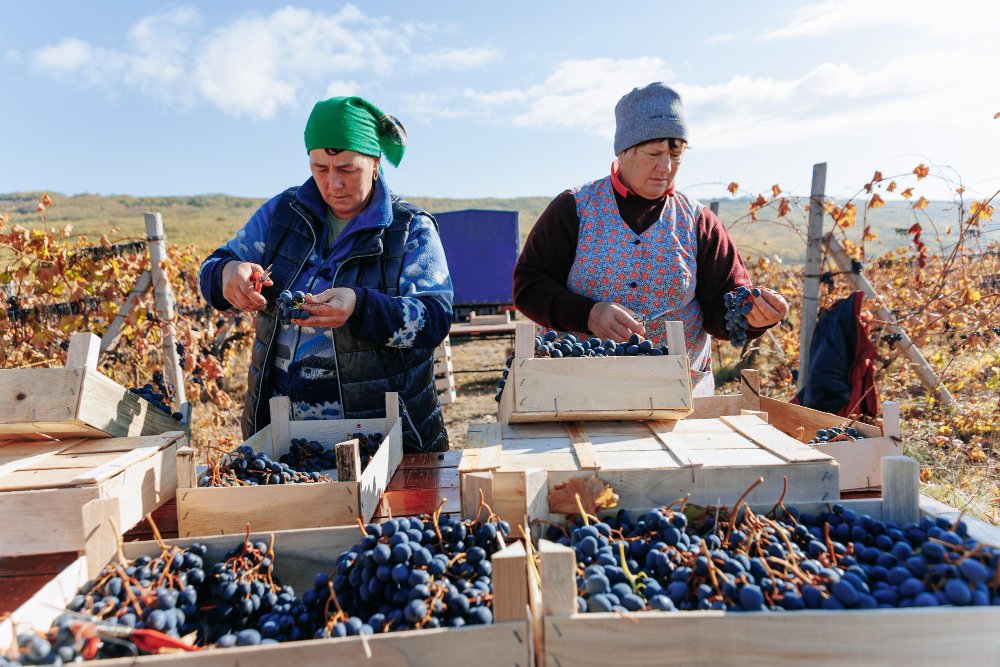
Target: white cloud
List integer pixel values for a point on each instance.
(457, 59)
(341, 88)
(254, 65)
(959, 18)
(722, 37)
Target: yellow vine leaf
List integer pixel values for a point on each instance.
(733, 187)
(921, 203)
(982, 211)
(891, 187)
(775, 190)
(921, 171)
(877, 177)
(595, 495)
(959, 190)
(784, 208)
(996, 115)
(907, 193)
(876, 202)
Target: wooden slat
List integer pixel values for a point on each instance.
(901, 489)
(84, 350)
(187, 476)
(149, 447)
(482, 447)
(581, 445)
(381, 468)
(510, 583)
(558, 578)
(772, 439)
(663, 431)
(348, 460)
(281, 424)
(22, 457)
(749, 390)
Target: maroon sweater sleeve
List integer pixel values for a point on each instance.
(541, 271)
(720, 270)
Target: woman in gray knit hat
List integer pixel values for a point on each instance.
(618, 255)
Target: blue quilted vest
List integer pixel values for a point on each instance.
(365, 370)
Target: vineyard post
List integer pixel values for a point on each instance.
(714, 208)
(814, 263)
(163, 299)
(927, 375)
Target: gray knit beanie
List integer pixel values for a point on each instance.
(653, 112)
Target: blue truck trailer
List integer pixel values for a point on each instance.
(482, 247)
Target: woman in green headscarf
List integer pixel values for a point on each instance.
(372, 273)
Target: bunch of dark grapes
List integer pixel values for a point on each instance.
(148, 393)
(738, 304)
(836, 560)
(249, 607)
(290, 306)
(556, 346)
(312, 456)
(58, 646)
(837, 434)
(244, 467)
(409, 573)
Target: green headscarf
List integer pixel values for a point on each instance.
(352, 123)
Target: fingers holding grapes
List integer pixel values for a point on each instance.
(614, 321)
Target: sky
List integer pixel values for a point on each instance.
(498, 99)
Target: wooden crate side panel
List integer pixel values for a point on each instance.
(45, 521)
(497, 644)
(588, 385)
(713, 407)
(39, 610)
(710, 486)
(38, 396)
(380, 470)
(883, 637)
(143, 486)
(106, 405)
(789, 418)
(227, 510)
(861, 461)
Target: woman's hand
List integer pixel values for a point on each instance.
(330, 308)
(239, 288)
(768, 308)
(614, 321)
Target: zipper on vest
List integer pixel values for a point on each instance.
(333, 336)
(274, 330)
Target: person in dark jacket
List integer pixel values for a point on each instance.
(379, 294)
(626, 252)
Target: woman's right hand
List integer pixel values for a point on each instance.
(614, 321)
(238, 285)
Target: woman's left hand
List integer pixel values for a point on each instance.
(768, 308)
(329, 309)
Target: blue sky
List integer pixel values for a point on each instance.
(499, 99)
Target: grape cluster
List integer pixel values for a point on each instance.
(157, 399)
(738, 304)
(836, 560)
(562, 346)
(837, 434)
(244, 467)
(312, 456)
(409, 573)
(57, 646)
(290, 306)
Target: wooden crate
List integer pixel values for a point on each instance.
(444, 373)
(46, 486)
(75, 401)
(300, 554)
(649, 463)
(860, 461)
(595, 388)
(227, 510)
(929, 636)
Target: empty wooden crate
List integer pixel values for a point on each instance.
(595, 388)
(45, 486)
(222, 510)
(649, 464)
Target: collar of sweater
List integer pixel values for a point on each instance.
(378, 213)
(624, 190)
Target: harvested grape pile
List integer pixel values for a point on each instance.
(159, 396)
(312, 456)
(837, 434)
(404, 574)
(834, 560)
(407, 574)
(244, 467)
(738, 304)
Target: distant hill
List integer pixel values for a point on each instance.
(209, 220)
